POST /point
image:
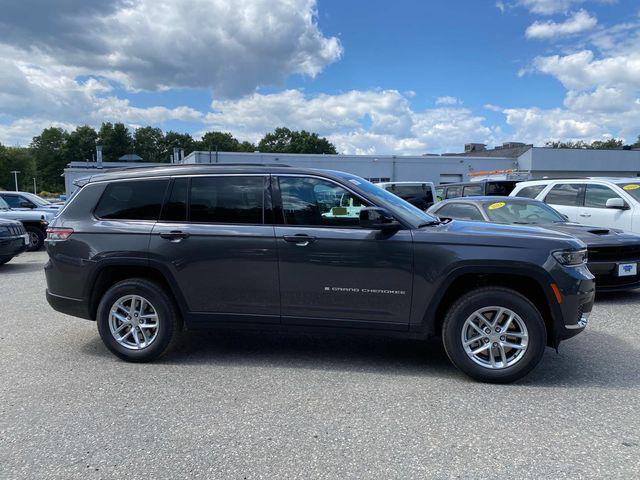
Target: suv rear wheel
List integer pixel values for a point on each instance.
(494, 335)
(137, 320)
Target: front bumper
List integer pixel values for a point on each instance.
(607, 279)
(577, 288)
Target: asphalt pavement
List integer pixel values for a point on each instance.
(254, 405)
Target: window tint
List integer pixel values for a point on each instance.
(519, 211)
(472, 190)
(311, 201)
(227, 199)
(14, 200)
(565, 194)
(530, 192)
(454, 192)
(175, 209)
(460, 211)
(418, 195)
(134, 200)
(500, 188)
(596, 196)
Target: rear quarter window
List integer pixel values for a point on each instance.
(530, 192)
(132, 200)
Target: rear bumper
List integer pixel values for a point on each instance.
(71, 306)
(10, 247)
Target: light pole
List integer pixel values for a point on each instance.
(15, 177)
(35, 192)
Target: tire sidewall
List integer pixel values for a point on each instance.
(40, 234)
(474, 301)
(167, 325)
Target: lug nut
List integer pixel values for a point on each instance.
(498, 329)
(495, 344)
(503, 338)
(487, 330)
(486, 340)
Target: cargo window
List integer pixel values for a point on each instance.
(530, 192)
(569, 194)
(472, 190)
(454, 192)
(500, 188)
(227, 199)
(132, 200)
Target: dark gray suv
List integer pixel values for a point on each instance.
(148, 252)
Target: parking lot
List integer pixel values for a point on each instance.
(250, 405)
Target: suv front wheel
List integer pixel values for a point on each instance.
(137, 320)
(494, 335)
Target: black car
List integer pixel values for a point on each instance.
(614, 255)
(474, 189)
(14, 240)
(145, 252)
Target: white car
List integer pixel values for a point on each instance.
(601, 202)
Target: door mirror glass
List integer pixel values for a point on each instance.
(376, 218)
(616, 203)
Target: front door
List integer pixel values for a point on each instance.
(213, 238)
(595, 211)
(332, 272)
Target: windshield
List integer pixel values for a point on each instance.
(394, 203)
(41, 202)
(632, 189)
(521, 212)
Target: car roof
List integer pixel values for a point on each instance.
(203, 169)
(547, 181)
(404, 183)
(487, 198)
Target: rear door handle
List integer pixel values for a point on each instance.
(585, 214)
(301, 240)
(174, 235)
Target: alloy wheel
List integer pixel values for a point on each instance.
(133, 322)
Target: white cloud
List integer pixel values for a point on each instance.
(550, 7)
(580, 21)
(447, 100)
(231, 47)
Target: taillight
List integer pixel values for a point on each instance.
(59, 233)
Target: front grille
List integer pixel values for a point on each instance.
(13, 230)
(614, 254)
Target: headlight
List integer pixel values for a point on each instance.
(571, 257)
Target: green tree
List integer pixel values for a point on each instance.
(81, 144)
(223, 142)
(637, 144)
(283, 140)
(116, 141)
(19, 159)
(149, 144)
(177, 140)
(611, 144)
(50, 154)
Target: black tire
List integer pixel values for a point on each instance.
(4, 260)
(169, 321)
(36, 238)
(462, 309)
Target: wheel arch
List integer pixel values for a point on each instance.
(532, 283)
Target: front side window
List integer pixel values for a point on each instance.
(596, 196)
(132, 200)
(565, 194)
(460, 211)
(227, 199)
(530, 192)
(15, 201)
(315, 202)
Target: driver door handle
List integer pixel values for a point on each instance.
(585, 214)
(174, 235)
(300, 240)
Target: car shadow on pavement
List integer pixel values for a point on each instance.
(594, 359)
(619, 298)
(20, 268)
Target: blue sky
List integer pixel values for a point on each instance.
(373, 76)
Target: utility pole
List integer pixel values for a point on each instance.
(15, 177)
(35, 191)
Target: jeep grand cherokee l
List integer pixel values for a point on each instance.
(146, 252)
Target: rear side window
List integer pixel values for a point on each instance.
(460, 211)
(530, 192)
(500, 188)
(454, 192)
(133, 200)
(472, 190)
(226, 199)
(565, 194)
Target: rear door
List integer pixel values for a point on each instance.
(567, 198)
(216, 237)
(332, 271)
(594, 212)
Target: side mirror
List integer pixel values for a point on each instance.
(375, 218)
(616, 203)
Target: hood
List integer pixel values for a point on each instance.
(596, 236)
(495, 234)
